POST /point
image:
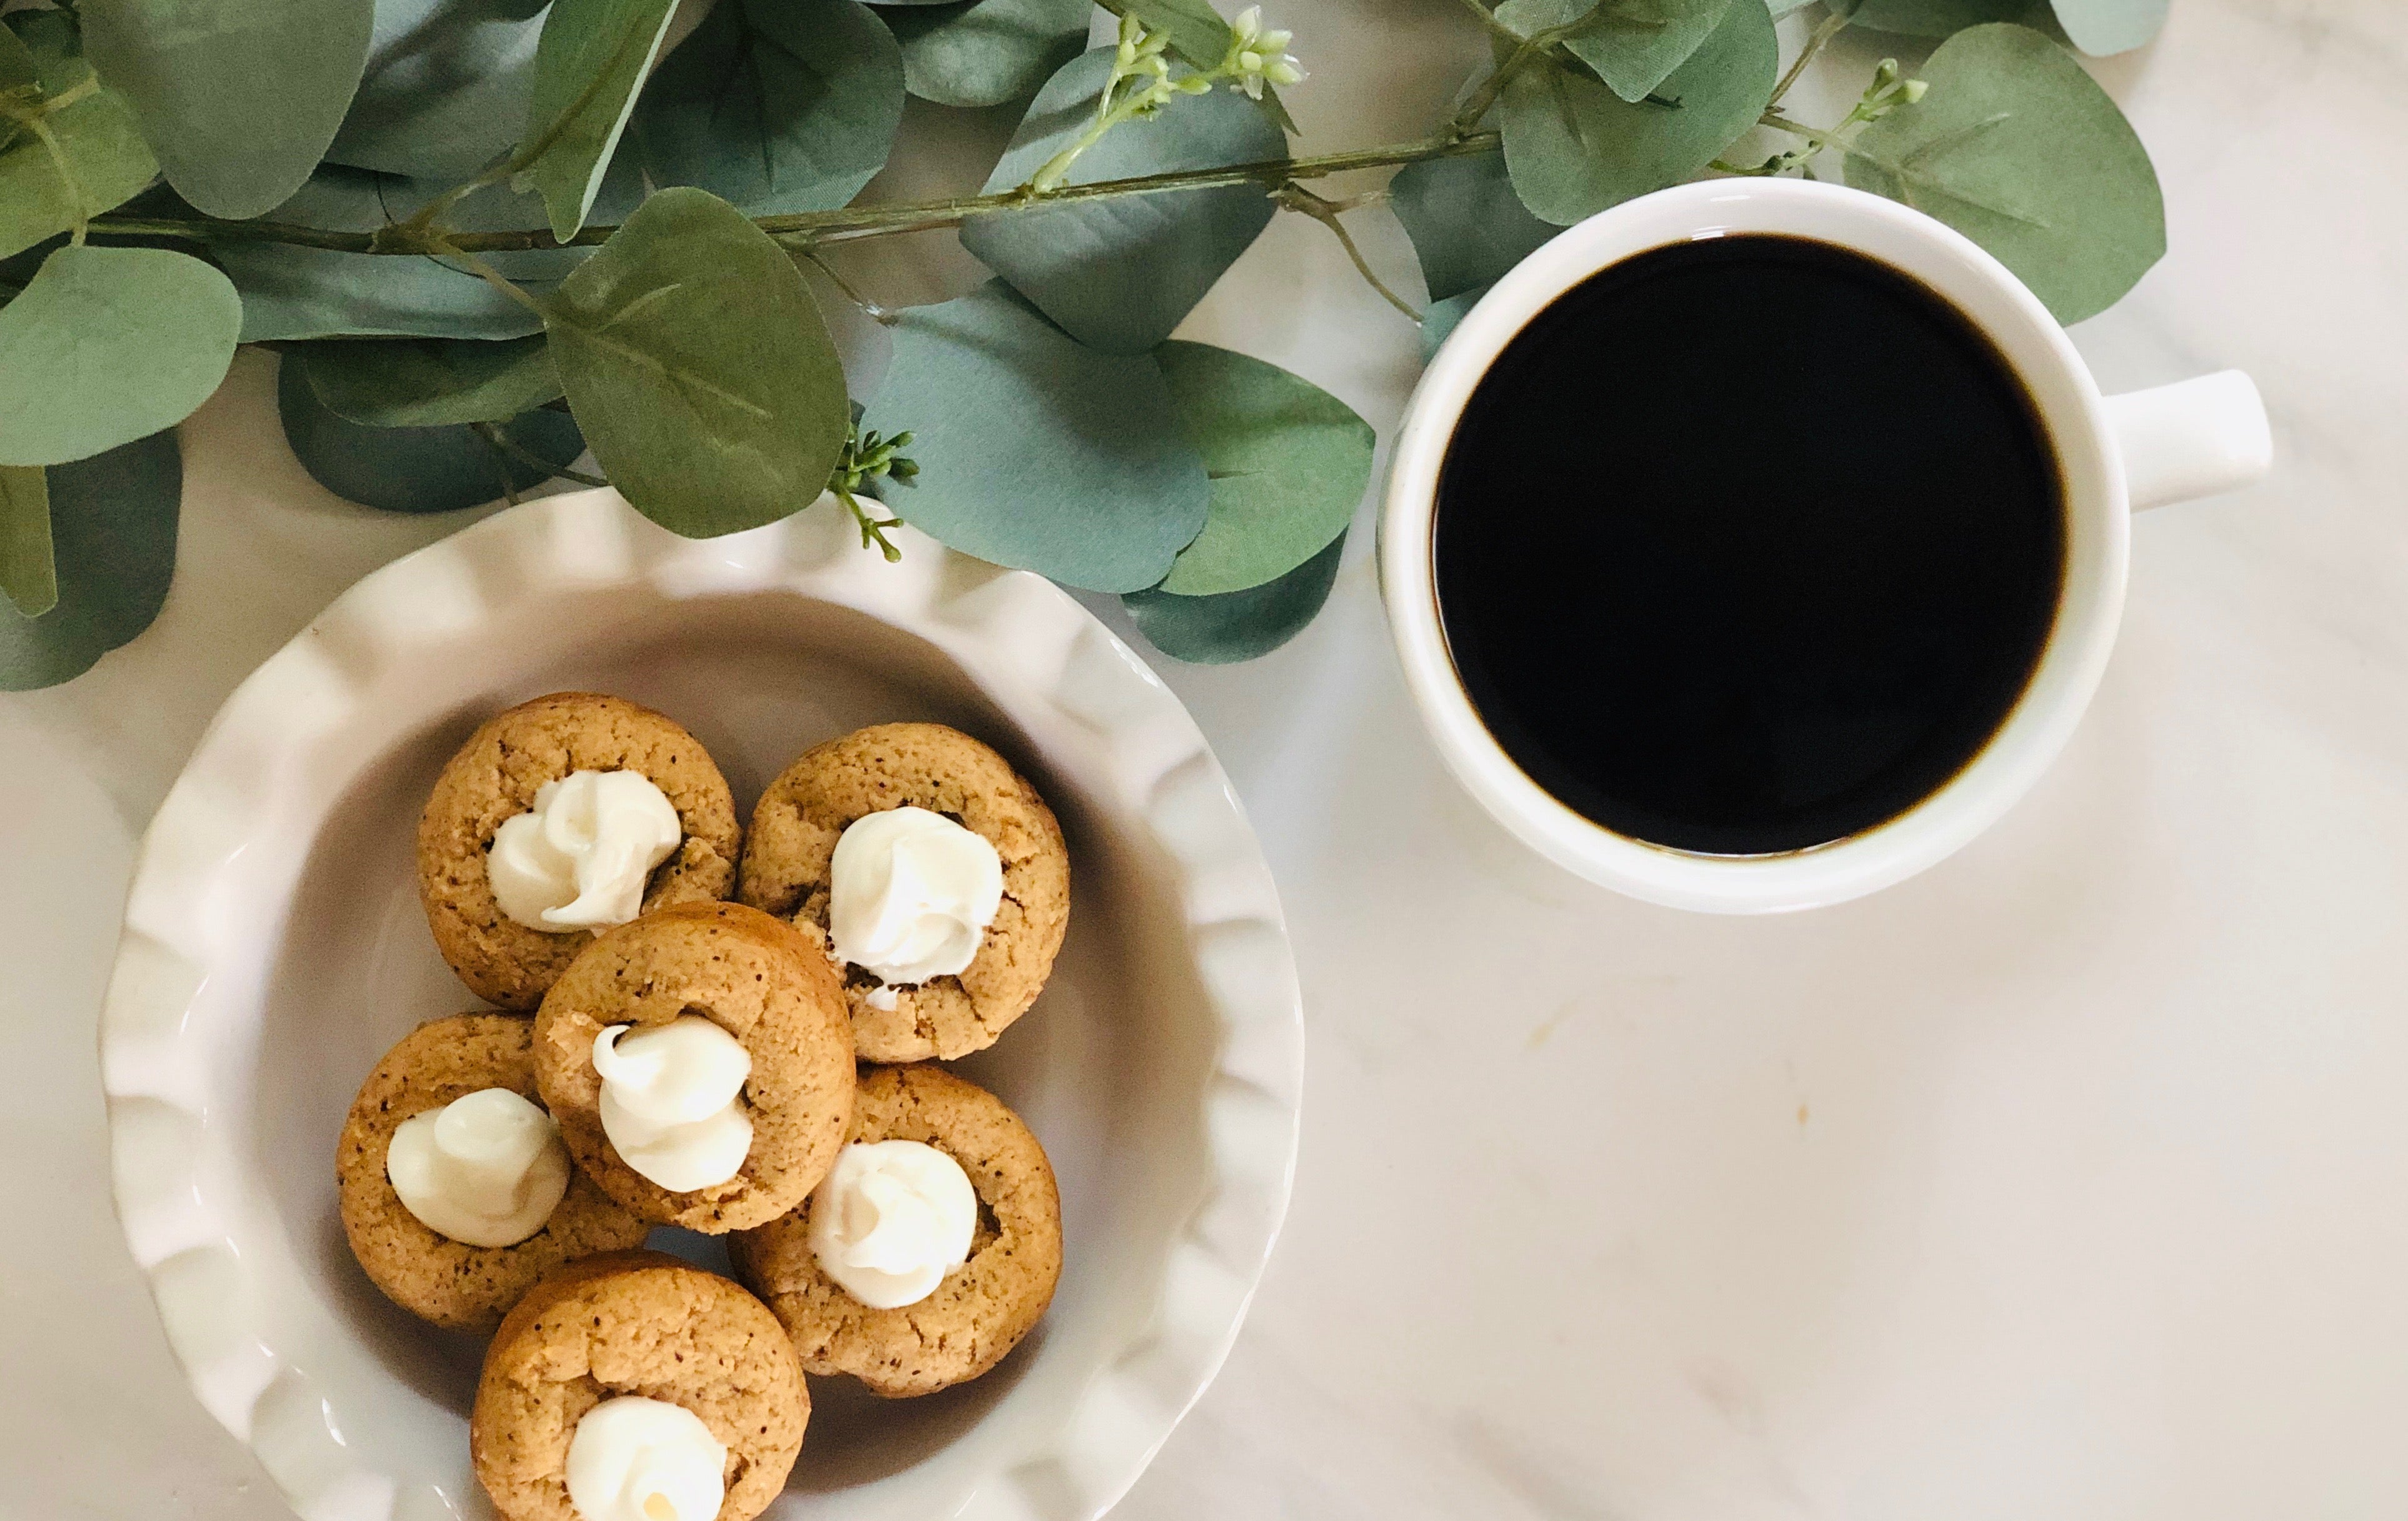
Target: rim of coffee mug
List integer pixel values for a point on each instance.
(2097, 541)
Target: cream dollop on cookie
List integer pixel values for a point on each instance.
(671, 1101)
(891, 1219)
(579, 859)
(638, 1459)
(909, 894)
(485, 1169)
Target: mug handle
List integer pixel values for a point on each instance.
(2191, 439)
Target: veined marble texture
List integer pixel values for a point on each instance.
(2068, 1180)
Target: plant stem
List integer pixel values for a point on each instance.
(1531, 46)
(1832, 26)
(1297, 198)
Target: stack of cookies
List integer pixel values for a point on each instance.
(734, 1032)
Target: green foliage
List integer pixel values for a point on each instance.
(1575, 147)
(2019, 150)
(984, 52)
(1237, 625)
(1197, 32)
(420, 469)
(96, 135)
(1119, 274)
(1936, 17)
(700, 370)
(446, 87)
(238, 98)
(2111, 26)
(1440, 318)
(772, 105)
(28, 571)
(1037, 452)
(106, 345)
(425, 382)
(1633, 45)
(1288, 462)
(113, 540)
(589, 66)
(1466, 224)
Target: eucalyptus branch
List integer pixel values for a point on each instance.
(1488, 18)
(1816, 41)
(1531, 48)
(864, 458)
(1297, 198)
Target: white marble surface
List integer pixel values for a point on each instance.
(2066, 1180)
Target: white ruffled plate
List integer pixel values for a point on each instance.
(274, 947)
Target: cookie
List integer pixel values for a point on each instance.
(757, 978)
(635, 1323)
(980, 1309)
(794, 836)
(426, 1272)
(496, 777)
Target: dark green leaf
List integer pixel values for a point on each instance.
(700, 370)
(1289, 462)
(1120, 274)
(984, 52)
(1575, 147)
(97, 134)
(17, 70)
(446, 89)
(425, 382)
(109, 345)
(1466, 224)
(2111, 26)
(113, 539)
(589, 66)
(430, 470)
(1237, 625)
(238, 98)
(1035, 452)
(28, 574)
(1441, 317)
(774, 106)
(1632, 44)
(2019, 150)
(1937, 18)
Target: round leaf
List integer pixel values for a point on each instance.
(1466, 224)
(425, 382)
(434, 469)
(984, 52)
(1237, 625)
(113, 539)
(97, 134)
(2019, 150)
(1632, 44)
(238, 98)
(446, 87)
(1288, 462)
(1036, 452)
(108, 345)
(700, 369)
(589, 63)
(2111, 26)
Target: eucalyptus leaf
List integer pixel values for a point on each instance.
(2019, 150)
(1036, 452)
(2111, 26)
(984, 52)
(1440, 317)
(417, 469)
(1632, 44)
(774, 106)
(589, 66)
(425, 382)
(113, 541)
(1288, 462)
(238, 98)
(1936, 17)
(1575, 147)
(108, 345)
(1237, 625)
(97, 134)
(17, 69)
(700, 370)
(28, 572)
(1466, 224)
(446, 87)
(1120, 274)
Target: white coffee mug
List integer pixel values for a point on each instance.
(2117, 453)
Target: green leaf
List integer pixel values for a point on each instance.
(774, 106)
(97, 134)
(108, 345)
(1288, 461)
(1575, 147)
(1237, 625)
(1937, 18)
(416, 469)
(425, 382)
(113, 540)
(2019, 150)
(1120, 274)
(1466, 224)
(589, 64)
(1197, 32)
(984, 52)
(238, 98)
(700, 370)
(446, 87)
(1632, 44)
(1035, 452)
(1440, 318)
(17, 69)
(28, 573)
(2111, 26)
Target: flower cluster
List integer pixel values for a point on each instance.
(1257, 57)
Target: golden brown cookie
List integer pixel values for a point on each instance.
(794, 834)
(426, 1272)
(637, 1323)
(983, 1307)
(757, 978)
(496, 776)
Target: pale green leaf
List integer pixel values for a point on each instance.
(446, 87)
(97, 134)
(2019, 150)
(28, 573)
(108, 345)
(113, 543)
(1237, 625)
(2111, 26)
(238, 98)
(984, 52)
(1466, 224)
(1036, 452)
(1441, 317)
(1119, 274)
(700, 370)
(1288, 461)
(589, 66)
(423, 382)
(1632, 44)
(417, 469)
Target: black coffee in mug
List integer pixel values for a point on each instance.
(1747, 545)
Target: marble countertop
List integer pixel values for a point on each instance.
(2068, 1180)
